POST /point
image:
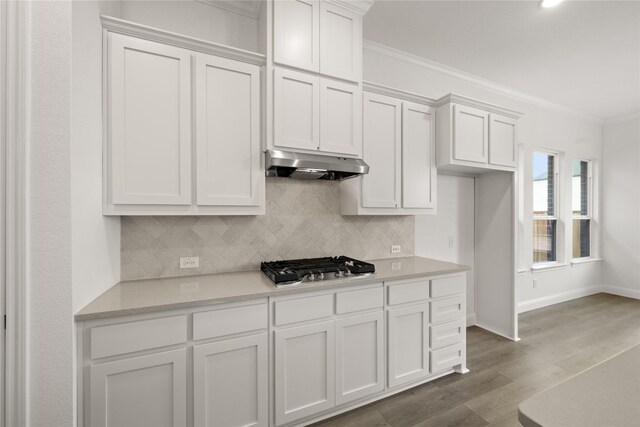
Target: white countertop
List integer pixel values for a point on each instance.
(142, 296)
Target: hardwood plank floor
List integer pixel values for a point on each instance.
(557, 342)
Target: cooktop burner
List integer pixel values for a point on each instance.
(315, 269)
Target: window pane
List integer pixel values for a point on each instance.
(580, 187)
(543, 185)
(581, 238)
(544, 240)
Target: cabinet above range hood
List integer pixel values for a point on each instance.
(312, 166)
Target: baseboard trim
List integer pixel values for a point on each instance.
(623, 292)
(493, 331)
(471, 319)
(545, 301)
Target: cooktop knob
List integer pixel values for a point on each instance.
(347, 273)
(311, 277)
(339, 273)
(321, 276)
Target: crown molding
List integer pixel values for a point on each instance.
(622, 119)
(250, 8)
(380, 50)
(397, 93)
(459, 99)
(358, 6)
(129, 28)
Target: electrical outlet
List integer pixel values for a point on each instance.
(190, 262)
(395, 249)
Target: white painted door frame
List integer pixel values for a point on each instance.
(14, 20)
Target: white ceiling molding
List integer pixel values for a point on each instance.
(250, 8)
(476, 103)
(358, 6)
(622, 119)
(397, 93)
(377, 49)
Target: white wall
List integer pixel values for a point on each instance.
(542, 126)
(621, 206)
(455, 220)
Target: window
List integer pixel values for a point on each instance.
(581, 207)
(545, 220)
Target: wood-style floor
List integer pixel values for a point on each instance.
(557, 342)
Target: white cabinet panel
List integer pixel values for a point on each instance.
(470, 134)
(502, 140)
(359, 356)
(382, 133)
(447, 309)
(296, 33)
(408, 344)
(447, 357)
(296, 110)
(148, 122)
(340, 118)
(340, 42)
(418, 156)
(140, 391)
(228, 321)
(304, 371)
(230, 382)
(228, 132)
(448, 333)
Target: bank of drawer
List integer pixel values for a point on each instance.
(408, 292)
(446, 357)
(447, 333)
(303, 309)
(447, 309)
(122, 338)
(448, 286)
(228, 321)
(358, 300)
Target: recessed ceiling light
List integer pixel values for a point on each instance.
(550, 3)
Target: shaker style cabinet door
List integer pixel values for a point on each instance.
(418, 156)
(470, 134)
(304, 371)
(148, 122)
(230, 382)
(144, 391)
(296, 33)
(340, 42)
(408, 343)
(227, 132)
(340, 118)
(382, 145)
(502, 140)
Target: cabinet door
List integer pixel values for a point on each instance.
(304, 371)
(359, 356)
(230, 382)
(148, 122)
(408, 344)
(296, 33)
(228, 132)
(340, 118)
(418, 156)
(296, 112)
(381, 151)
(470, 134)
(140, 391)
(340, 42)
(502, 140)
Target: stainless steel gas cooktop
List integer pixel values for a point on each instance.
(297, 271)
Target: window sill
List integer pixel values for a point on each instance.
(582, 261)
(547, 266)
(522, 271)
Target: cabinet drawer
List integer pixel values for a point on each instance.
(121, 338)
(447, 333)
(303, 309)
(364, 299)
(447, 309)
(446, 358)
(217, 323)
(408, 292)
(448, 286)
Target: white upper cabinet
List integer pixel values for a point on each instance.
(228, 132)
(340, 117)
(149, 129)
(318, 36)
(418, 156)
(473, 136)
(296, 33)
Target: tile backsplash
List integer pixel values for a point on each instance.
(302, 220)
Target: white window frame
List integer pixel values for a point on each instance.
(590, 207)
(556, 209)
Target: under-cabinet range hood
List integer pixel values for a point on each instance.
(312, 166)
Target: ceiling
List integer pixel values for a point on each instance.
(581, 54)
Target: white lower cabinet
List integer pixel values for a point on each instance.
(408, 343)
(148, 390)
(304, 371)
(230, 382)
